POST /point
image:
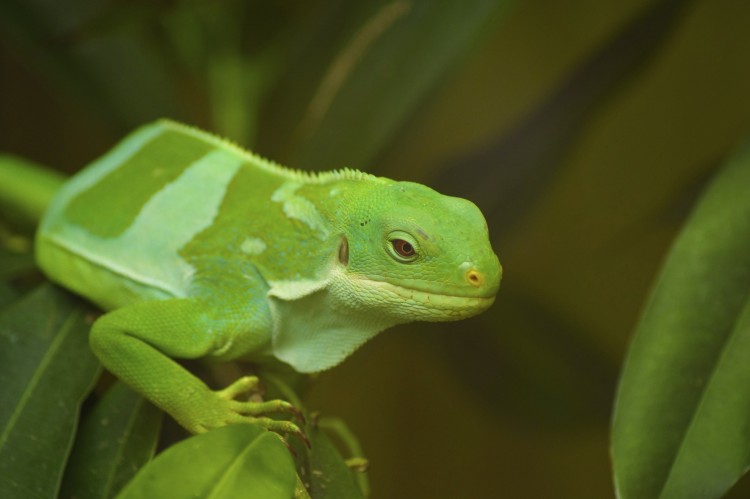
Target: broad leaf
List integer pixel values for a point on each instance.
(46, 370)
(115, 440)
(240, 460)
(680, 425)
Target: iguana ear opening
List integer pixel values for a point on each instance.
(344, 251)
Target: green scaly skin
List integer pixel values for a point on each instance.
(198, 249)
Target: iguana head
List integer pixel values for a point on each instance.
(412, 253)
(404, 253)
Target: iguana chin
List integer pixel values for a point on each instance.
(198, 249)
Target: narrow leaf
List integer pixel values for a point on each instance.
(375, 62)
(115, 440)
(716, 449)
(530, 153)
(240, 460)
(27, 187)
(46, 370)
(683, 404)
(329, 476)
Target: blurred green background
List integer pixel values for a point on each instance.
(584, 130)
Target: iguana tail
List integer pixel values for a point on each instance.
(26, 188)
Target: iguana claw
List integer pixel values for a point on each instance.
(245, 411)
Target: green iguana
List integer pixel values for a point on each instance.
(199, 249)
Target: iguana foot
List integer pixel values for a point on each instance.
(249, 384)
(222, 409)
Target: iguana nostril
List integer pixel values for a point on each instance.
(474, 277)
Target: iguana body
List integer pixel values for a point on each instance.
(199, 249)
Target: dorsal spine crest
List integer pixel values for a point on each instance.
(257, 160)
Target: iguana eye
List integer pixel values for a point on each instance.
(402, 247)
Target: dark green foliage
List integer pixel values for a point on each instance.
(585, 134)
(234, 461)
(682, 413)
(114, 441)
(46, 370)
(167, 51)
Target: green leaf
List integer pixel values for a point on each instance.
(8, 295)
(27, 187)
(15, 263)
(329, 476)
(100, 55)
(240, 460)
(374, 63)
(46, 370)
(680, 424)
(115, 440)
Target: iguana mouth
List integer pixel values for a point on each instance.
(427, 305)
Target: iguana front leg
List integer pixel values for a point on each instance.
(136, 342)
